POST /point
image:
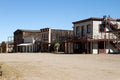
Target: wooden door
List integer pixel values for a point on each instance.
(101, 47)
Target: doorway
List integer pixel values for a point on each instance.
(101, 47)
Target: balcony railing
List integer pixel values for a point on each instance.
(97, 37)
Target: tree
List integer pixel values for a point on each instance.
(3, 45)
(57, 46)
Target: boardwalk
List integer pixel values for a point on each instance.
(62, 66)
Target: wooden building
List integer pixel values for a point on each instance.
(26, 40)
(51, 36)
(6, 47)
(94, 36)
(0, 48)
(42, 40)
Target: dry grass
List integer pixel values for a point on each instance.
(9, 73)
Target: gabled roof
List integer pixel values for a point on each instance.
(93, 19)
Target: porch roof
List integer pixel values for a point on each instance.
(25, 44)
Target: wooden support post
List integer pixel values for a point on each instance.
(104, 47)
(0, 71)
(67, 47)
(87, 47)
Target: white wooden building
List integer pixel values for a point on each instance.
(95, 36)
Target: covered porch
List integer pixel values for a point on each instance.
(87, 45)
(25, 47)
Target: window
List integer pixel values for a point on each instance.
(46, 37)
(102, 28)
(77, 30)
(88, 28)
(82, 31)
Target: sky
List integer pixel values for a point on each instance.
(56, 14)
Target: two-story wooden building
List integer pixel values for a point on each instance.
(51, 36)
(94, 35)
(25, 40)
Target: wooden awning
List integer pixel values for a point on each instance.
(25, 44)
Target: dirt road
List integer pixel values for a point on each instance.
(46, 66)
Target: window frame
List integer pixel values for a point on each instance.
(82, 31)
(89, 28)
(77, 30)
(102, 31)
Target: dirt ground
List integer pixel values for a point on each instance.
(47, 66)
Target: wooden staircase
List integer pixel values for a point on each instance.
(116, 45)
(112, 27)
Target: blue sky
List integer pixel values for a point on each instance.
(58, 14)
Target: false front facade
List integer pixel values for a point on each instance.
(49, 37)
